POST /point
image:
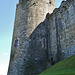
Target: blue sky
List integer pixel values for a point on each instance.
(7, 16)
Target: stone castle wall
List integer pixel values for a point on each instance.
(62, 31)
(50, 39)
(29, 14)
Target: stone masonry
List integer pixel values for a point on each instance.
(41, 38)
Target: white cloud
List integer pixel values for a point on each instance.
(3, 69)
(4, 62)
(4, 53)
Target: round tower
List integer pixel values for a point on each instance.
(29, 14)
(32, 12)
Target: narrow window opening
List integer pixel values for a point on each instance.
(29, 19)
(52, 62)
(50, 2)
(44, 43)
(16, 43)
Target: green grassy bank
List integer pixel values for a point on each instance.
(65, 67)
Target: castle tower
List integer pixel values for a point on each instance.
(29, 14)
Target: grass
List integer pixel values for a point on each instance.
(65, 67)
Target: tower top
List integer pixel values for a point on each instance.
(50, 1)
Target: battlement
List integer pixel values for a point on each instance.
(35, 2)
(63, 7)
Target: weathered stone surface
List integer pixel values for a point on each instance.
(29, 14)
(39, 41)
(62, 31)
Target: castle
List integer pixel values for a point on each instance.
(42, 35)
